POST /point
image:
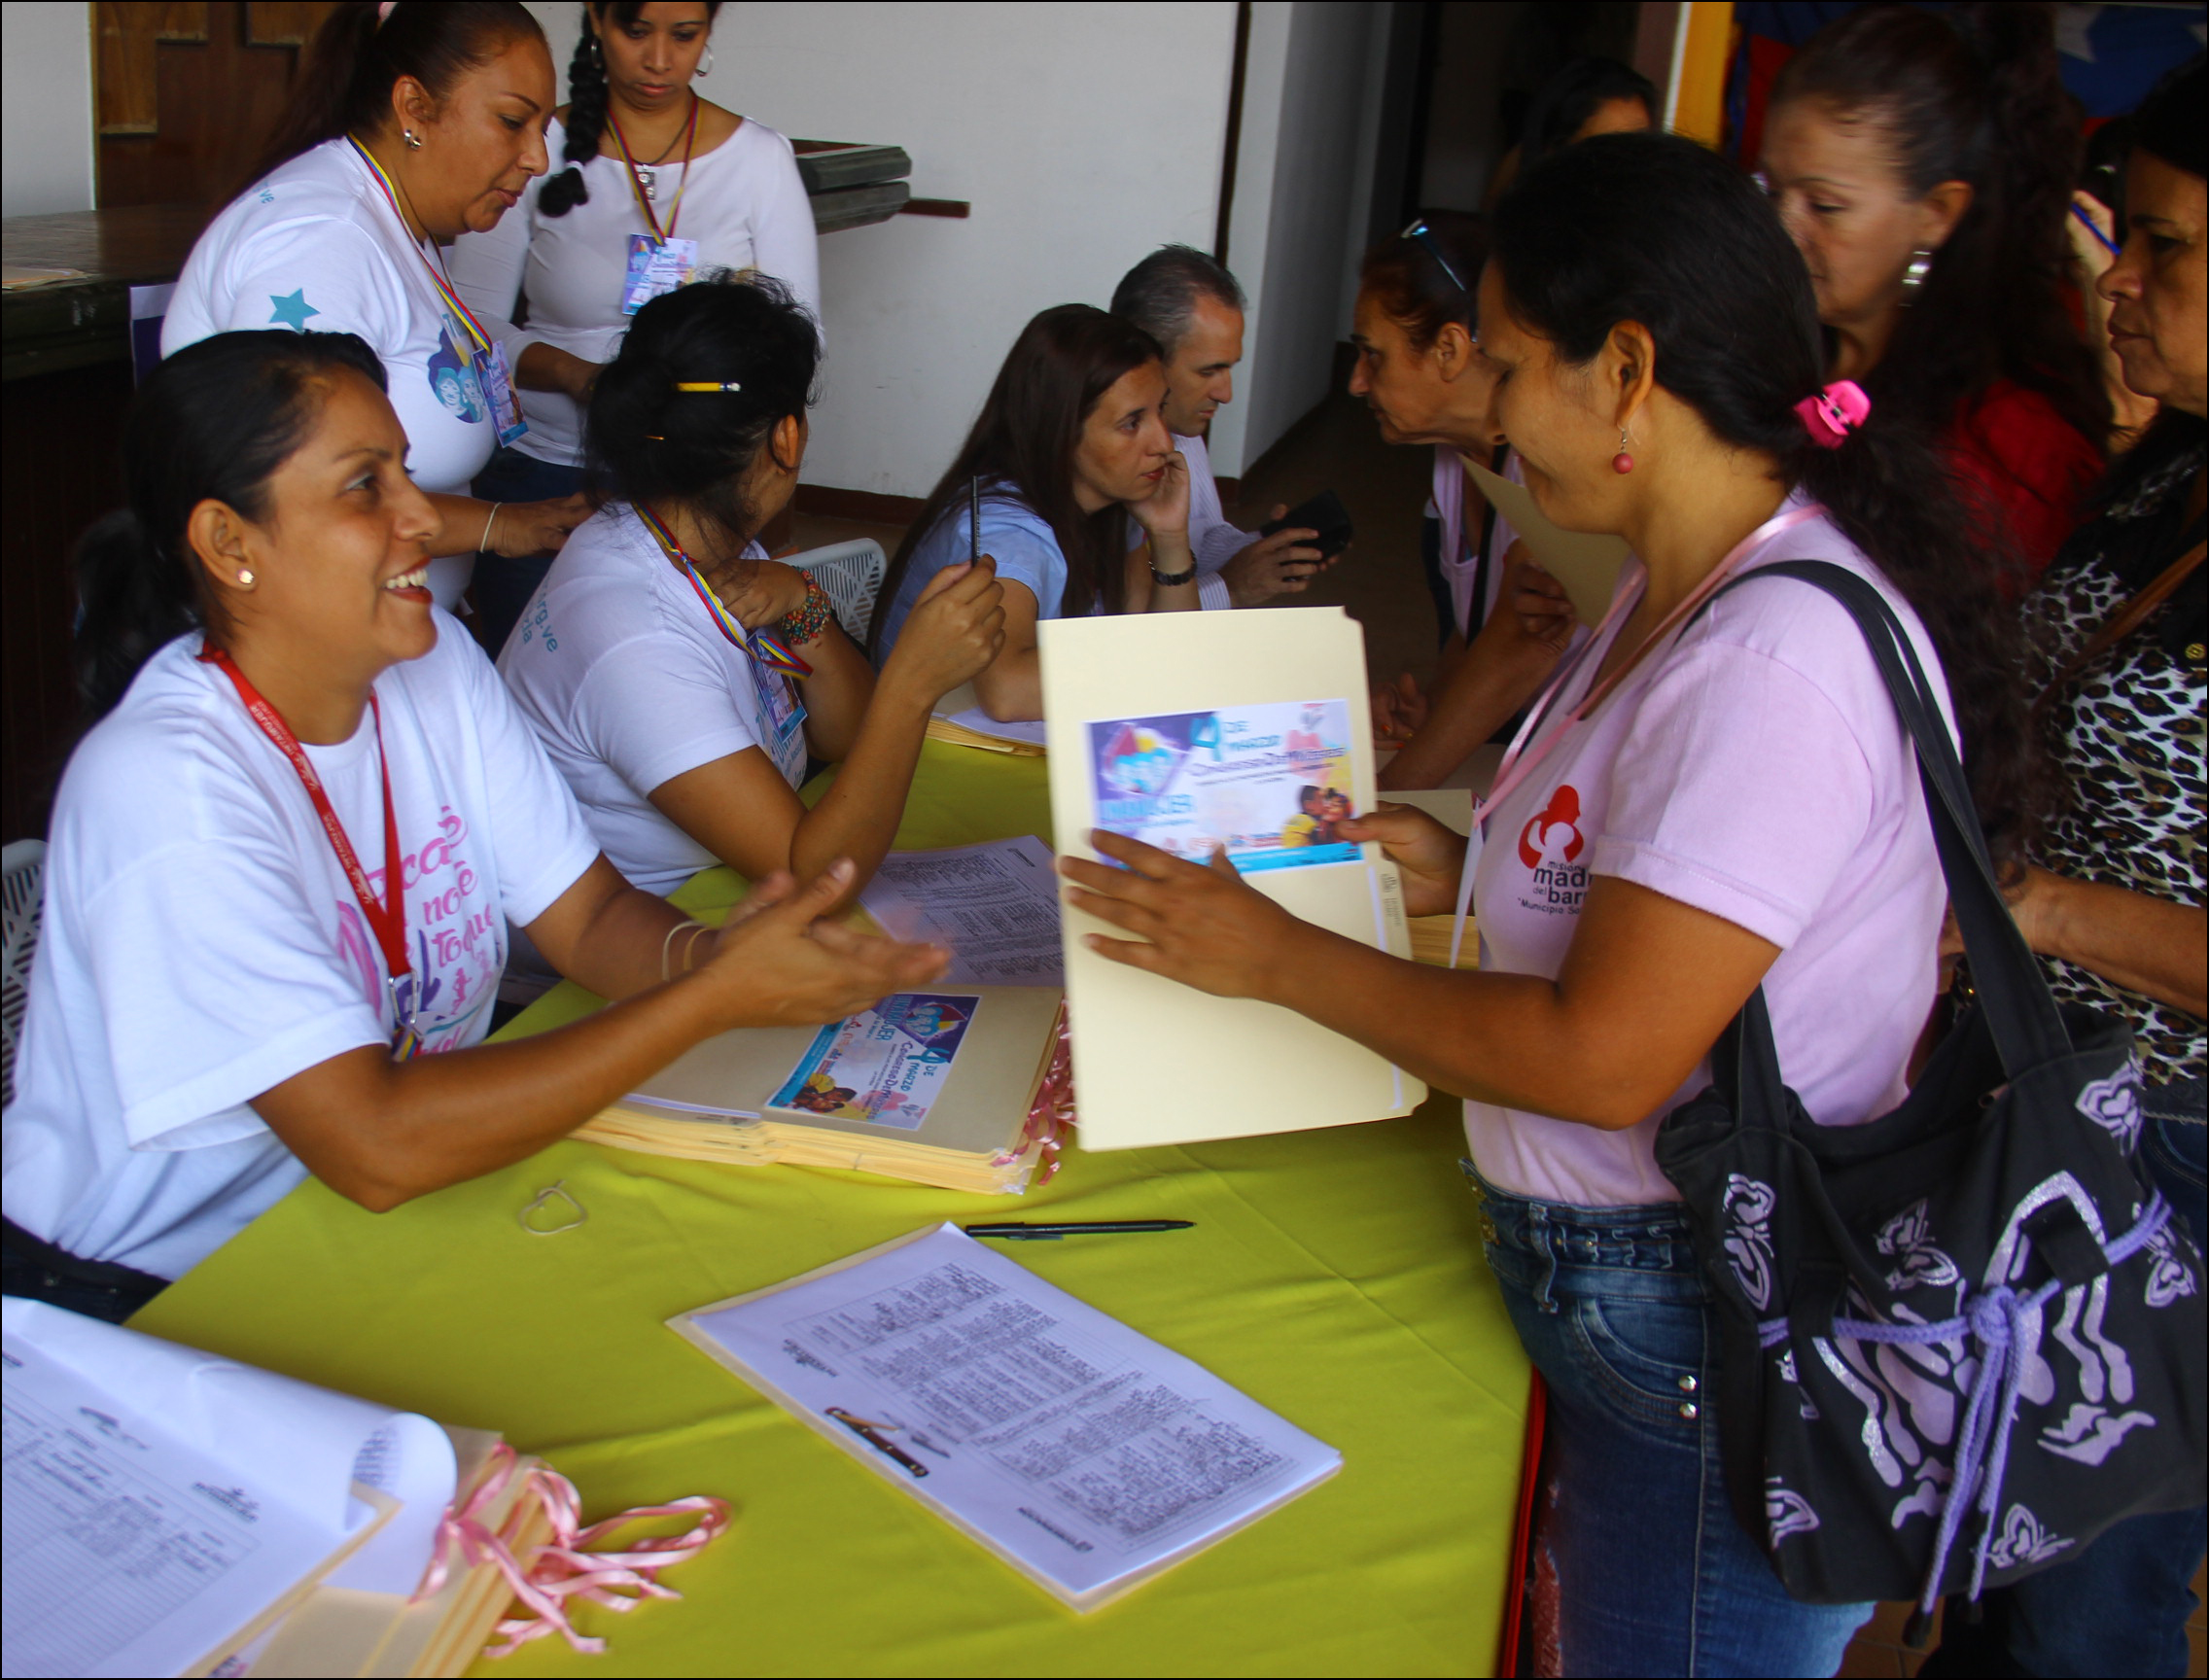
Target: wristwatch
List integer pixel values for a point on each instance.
(1174, 579)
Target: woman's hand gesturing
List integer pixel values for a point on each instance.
(778, 965)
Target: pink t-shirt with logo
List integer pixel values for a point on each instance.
(1755, 769)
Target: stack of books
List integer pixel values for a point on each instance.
(961, 1088)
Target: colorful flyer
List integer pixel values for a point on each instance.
(1267, 782)
(885, 1065)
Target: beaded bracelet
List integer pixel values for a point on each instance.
(811, 620)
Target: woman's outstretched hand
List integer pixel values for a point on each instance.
(781, 966)
(1427, 852)
(1204, 927)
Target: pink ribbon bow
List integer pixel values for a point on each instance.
(1833, 413)
(565, 1567)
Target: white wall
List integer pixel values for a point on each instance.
(1084, 134)
(46, 116)
(1303, 195)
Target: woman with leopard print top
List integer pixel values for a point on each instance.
(2113, 901)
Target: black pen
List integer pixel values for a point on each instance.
(1014, 1232)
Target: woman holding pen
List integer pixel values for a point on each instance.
(284, 858)
(679, 679)
(660, 184)
(1070, 446)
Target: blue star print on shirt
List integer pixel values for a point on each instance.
(292, 311)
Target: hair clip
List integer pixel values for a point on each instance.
(707, 385)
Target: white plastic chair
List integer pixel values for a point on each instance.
(849, 575)
(23, 869)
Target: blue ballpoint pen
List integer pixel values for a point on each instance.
(2107, 244)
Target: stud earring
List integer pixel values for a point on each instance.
(705, 66)
(245, 576)
(1914, 276)
(412, 139)
(1622, 462)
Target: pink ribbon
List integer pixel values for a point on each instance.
(565, 1567)
(1052, 1113)
(1833, 413)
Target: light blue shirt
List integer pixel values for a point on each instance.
(1013, 534)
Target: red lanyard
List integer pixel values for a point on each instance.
(636, 179)
(388, 920)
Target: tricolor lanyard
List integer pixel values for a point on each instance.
(438, 276)
(1520, 758)
(762, 646)
(386, 920)
(636, 175)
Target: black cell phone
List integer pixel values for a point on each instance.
(1323, 514)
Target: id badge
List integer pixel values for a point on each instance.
(499, 392)
(781, 713)
(656, 266)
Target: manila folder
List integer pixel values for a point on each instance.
(1587, 566)
(1156, 1062)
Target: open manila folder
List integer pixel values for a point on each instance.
(1586, 566)
(1156, 1062)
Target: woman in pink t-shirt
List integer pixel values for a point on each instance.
(1714, 800)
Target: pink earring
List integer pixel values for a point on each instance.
(1622, 462)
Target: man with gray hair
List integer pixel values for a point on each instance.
(1194, 309)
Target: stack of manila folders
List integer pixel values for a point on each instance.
(169, 1512)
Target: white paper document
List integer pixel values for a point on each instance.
(159, 1499)
(1082, 1453)
(996, 905)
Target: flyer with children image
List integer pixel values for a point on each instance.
(1268, 782)
(885, 1065)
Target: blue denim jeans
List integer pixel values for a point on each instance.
(2120, 1607)
(504, 588)
(1639, 1567)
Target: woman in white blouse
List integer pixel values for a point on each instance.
(659, 186)
(408, 124)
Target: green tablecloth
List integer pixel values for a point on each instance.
(1333, 1275)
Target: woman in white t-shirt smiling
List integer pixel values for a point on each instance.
(657, 659)
(283, 860)
(1710, 801)
(406, 126)
(1072, 444)
(660, 184)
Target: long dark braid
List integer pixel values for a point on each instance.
(586, 126)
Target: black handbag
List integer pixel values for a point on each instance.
(1959, 1341)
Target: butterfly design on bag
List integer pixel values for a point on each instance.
(1748, 1207)
(1908, 1236)
(2022, 1540)
(2114, 1104)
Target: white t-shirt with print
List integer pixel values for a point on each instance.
(629, 682)
(201, 943)
(317, 245)
(744, 205)
(1756, 770)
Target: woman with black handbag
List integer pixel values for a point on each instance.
(1685, 815)
(2113, 903)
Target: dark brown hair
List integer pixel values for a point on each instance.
(348, 70)
(585, 126)
(1969, 94)
(1025, 439)
(1654, 228)
(1410, 285)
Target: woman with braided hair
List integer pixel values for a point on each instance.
(652, 184)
